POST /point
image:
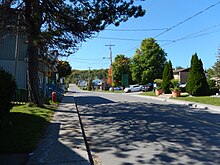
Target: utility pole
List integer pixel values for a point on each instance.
(110, 57)
(16, 47)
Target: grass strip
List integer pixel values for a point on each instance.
(27, 125)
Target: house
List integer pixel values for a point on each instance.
(13, 53)
(11, 61)
(181, 75)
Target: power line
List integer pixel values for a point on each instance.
(193, 35)
(189, 18)
(127, 39)
(87, 59)
(135, 30)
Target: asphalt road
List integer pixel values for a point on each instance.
(125, 129)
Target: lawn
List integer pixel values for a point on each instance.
(27, 125)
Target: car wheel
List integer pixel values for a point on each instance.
(129, 91)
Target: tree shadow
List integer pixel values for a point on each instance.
(143, 133)
(63, 142)
(52, 149)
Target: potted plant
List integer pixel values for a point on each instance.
(175, 90)
(158, 89)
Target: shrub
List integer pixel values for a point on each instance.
(7, 90)
(167, 77)
(175, 84)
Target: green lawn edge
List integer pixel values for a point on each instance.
(27, 126)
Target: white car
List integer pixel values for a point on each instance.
(133, 88)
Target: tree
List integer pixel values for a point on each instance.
(216, 67)
(64, 69)
(109, 77)
(121, 66)
(63, 25)
(167, 77)
(197, 84)
(148, 62)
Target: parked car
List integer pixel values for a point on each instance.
(133, 88)
(144, 88)
(147, 87)
(115, 88)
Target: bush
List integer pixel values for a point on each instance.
(7, 91)
(167, 77)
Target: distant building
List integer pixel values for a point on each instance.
(181, 75)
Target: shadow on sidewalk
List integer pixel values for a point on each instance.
(59, 145)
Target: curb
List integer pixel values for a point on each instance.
(187, 103)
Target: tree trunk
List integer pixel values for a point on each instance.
(32, 75)
(33, 18)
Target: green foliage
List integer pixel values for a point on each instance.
(64, 68)
(77, 75)
(216, 67)
(148, 62)
(167, 77)
(7, 90)
(121, 65)
(158, 83)
(61, 25)
(175, 84)
(197, 84)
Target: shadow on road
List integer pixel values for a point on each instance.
(142, 133)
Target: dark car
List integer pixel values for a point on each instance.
(147, 87)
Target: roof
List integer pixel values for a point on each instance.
(181, 70)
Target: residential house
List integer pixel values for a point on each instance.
(13, 53)
(181, 75)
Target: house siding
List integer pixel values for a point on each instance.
(7, 57)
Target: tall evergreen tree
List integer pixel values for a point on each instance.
(63, 25)
(167, 77)
(197, 84)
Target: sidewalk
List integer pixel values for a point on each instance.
(63, 142)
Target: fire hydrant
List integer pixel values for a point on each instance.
(54, 96)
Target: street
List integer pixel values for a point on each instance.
(125, 129)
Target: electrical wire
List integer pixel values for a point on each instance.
(87, 59)
(189, 18)
(136, 30)
(128, 39)
(193, 35)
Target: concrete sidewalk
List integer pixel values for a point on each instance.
(63, 142)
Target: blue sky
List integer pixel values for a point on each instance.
(203, 31)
